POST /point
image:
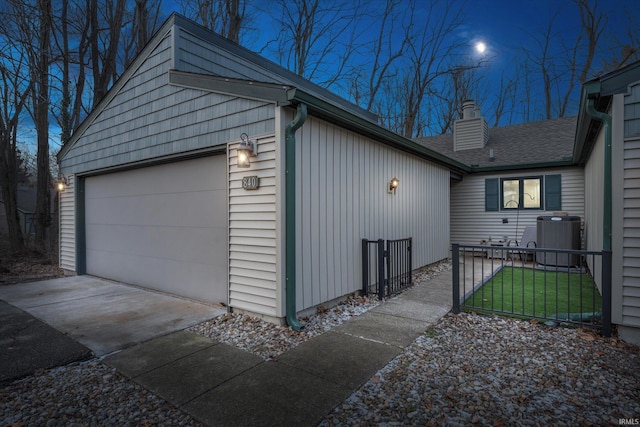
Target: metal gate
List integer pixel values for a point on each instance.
(386, 269)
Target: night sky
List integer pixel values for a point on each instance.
(507, 27)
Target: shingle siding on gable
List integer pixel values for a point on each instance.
(149, 118)
(198, 56)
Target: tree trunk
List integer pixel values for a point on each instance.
(9, 190)
(41, 121)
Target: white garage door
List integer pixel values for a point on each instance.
(162, 227)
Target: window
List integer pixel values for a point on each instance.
(522, 193)
(532, 192)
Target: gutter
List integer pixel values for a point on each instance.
(606, 121)
(545, 165)
(290, 215)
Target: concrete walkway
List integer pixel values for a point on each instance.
(222, 385)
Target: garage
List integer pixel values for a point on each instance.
(162, 227)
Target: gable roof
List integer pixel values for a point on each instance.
(527, 145)
(260, 79)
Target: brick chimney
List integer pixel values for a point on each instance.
(472, 130)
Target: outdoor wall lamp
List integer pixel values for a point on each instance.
(61, 183)
(246, 149)
(393, 184)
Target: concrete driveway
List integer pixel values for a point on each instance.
(104, 315)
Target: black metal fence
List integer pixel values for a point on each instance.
(386, 270)
(556, 285)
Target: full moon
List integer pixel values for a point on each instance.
(481, 47)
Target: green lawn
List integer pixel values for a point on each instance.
(522, 291)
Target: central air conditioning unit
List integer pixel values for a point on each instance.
(558, 232)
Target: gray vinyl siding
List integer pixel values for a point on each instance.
(253, 230)
(67, 219)
(594, 205)
(631, 209)
(632, 112)
(341, 197)
(470, 133)
(148, 119)
(470, 223)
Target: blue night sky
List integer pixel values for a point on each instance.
(507, 27)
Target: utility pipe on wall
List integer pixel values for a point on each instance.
(606, 221)
(290, 214)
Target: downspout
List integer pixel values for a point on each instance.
(290, 214)
(606, 221)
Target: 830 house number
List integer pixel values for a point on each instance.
(250, 182)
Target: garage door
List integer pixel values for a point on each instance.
(161, 227)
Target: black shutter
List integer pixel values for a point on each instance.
(491, 194)
(553, 192)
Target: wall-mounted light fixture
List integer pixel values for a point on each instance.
(61, 183)
(246, 150)
(393, 184)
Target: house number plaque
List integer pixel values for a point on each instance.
(251, 182)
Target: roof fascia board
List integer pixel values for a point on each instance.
(115, 89)
(618, 81)
(601, 89)
(543, 165)
(324, 109)
(235, 87)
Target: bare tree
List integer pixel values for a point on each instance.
(40, 101)
(625, 47)
(316, 38)
(105, 25)
(431, 54)
(15, 88)
(562, 71)
(382, 53)
(505, 99)
(225, 17)
(467, 82)
(143, 22)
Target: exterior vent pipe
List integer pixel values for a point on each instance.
(290, 214)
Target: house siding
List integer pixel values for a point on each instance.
(341, 198)
(594, 205)
(470, 133)
(470, 223)
(253, 231)
(199, 56)
(148, 118)
(67, 227)
(632, 112)
(631, 210)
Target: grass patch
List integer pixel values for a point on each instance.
(536, 293)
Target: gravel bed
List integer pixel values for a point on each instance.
(473, 369)
(467, 369)
(86, 393)
(268, 340)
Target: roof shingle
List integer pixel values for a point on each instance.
(533, 143)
